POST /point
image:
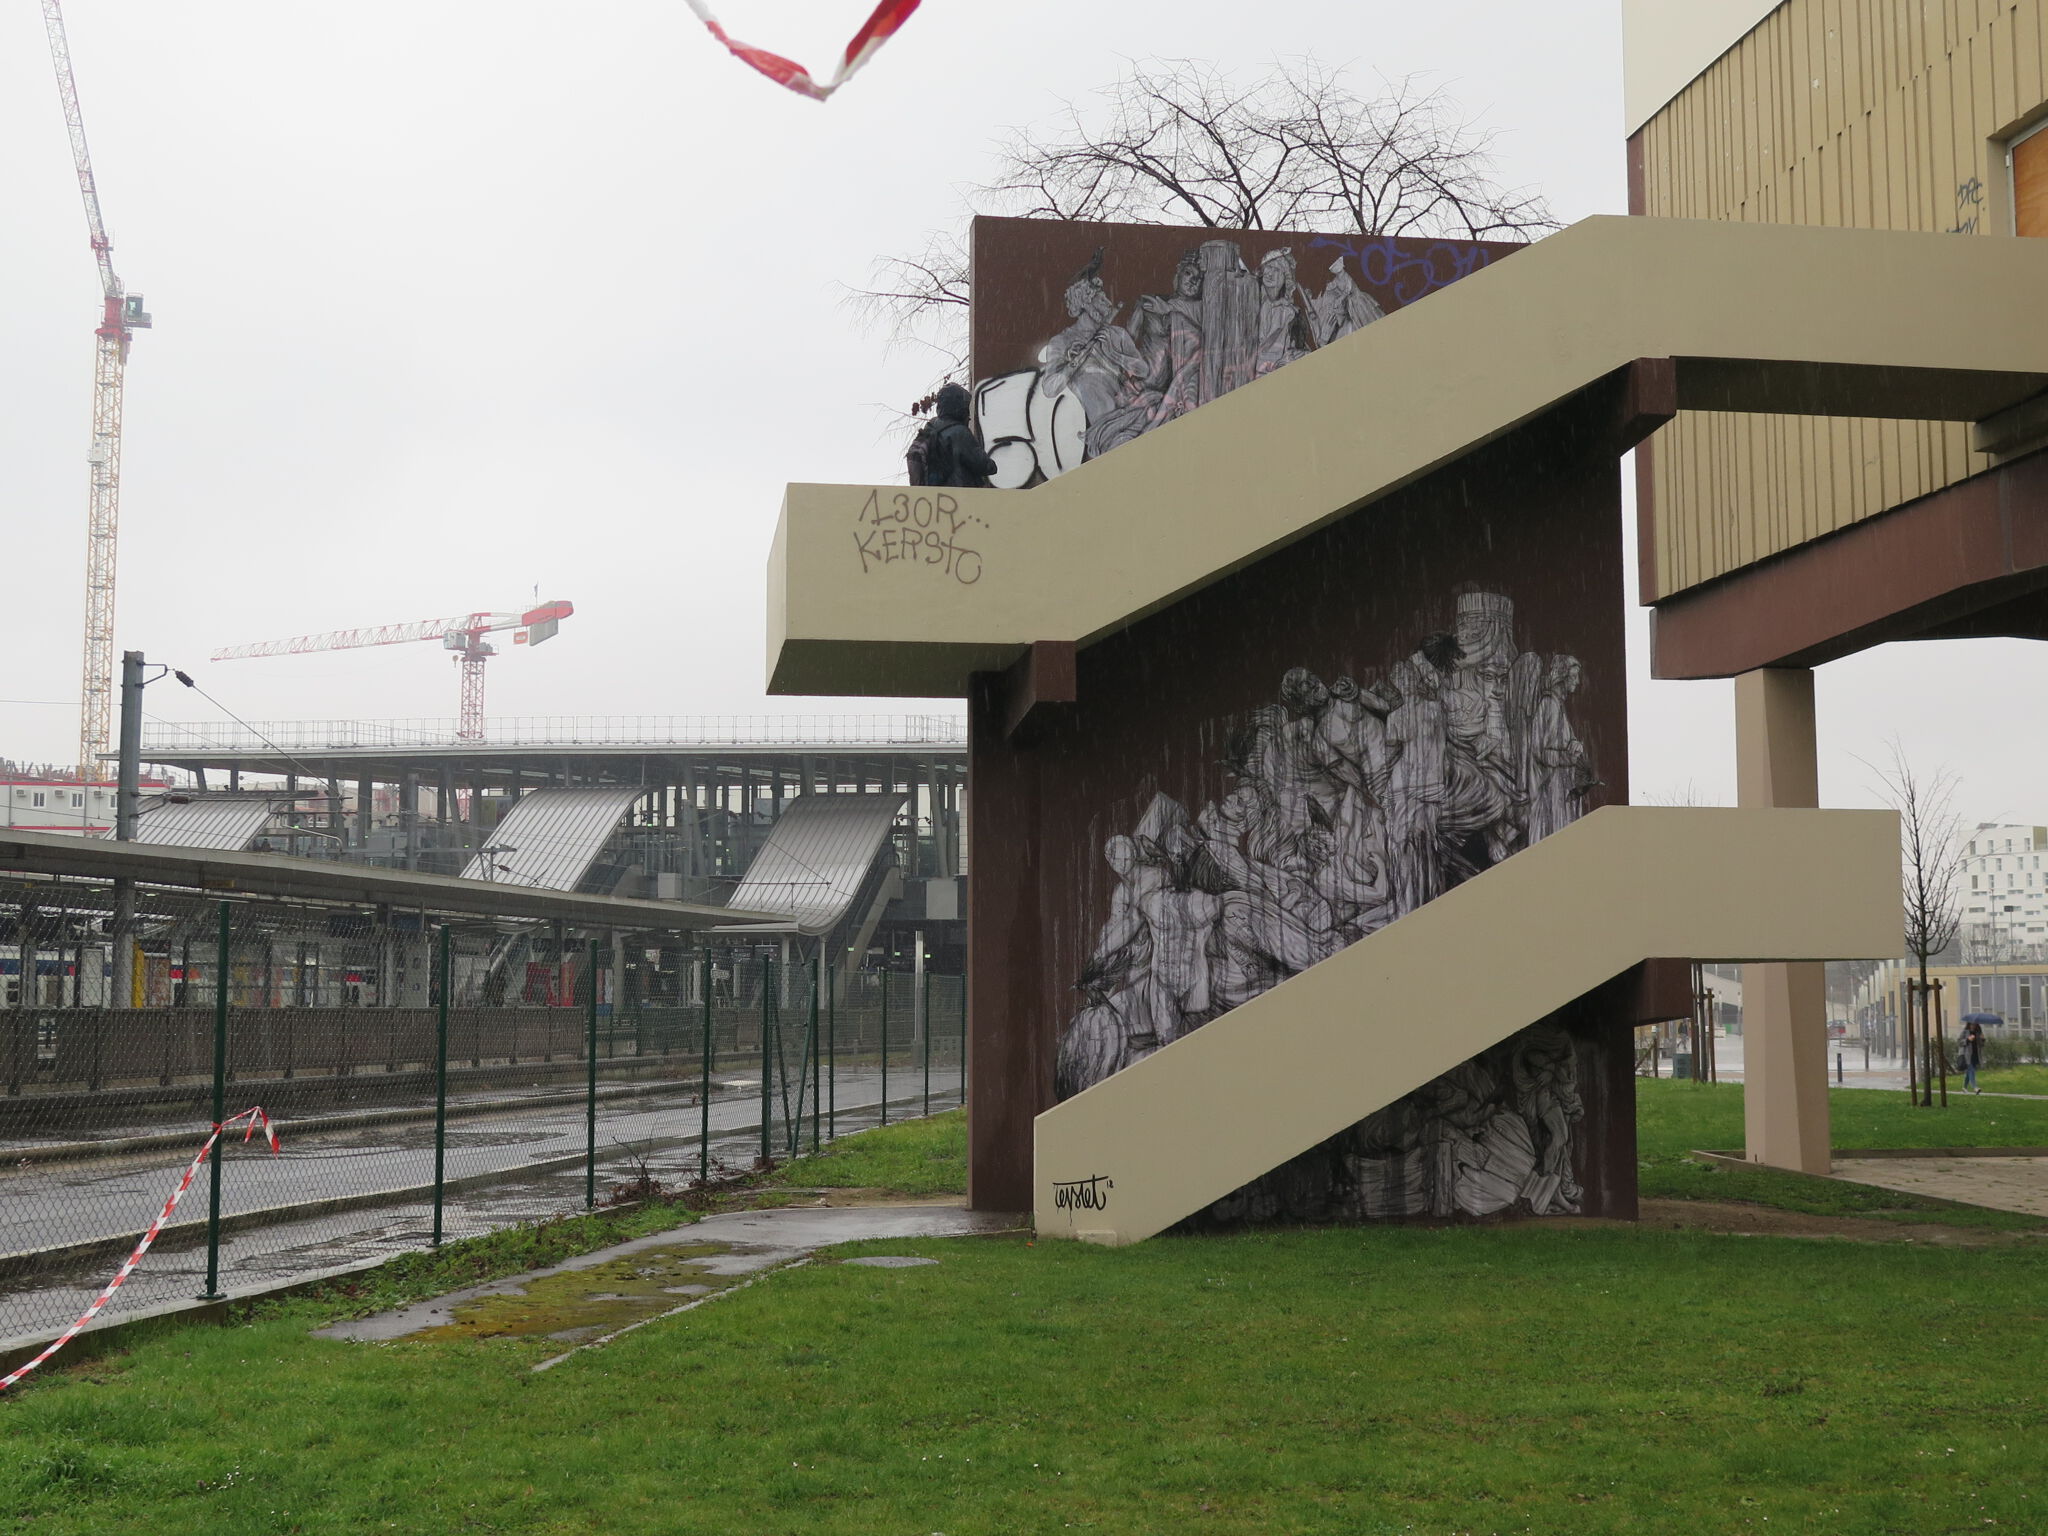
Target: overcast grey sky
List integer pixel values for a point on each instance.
(454, 300)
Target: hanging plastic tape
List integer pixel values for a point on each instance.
(880, 27)
(255, 1117)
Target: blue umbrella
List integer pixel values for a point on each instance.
(1983, 1018)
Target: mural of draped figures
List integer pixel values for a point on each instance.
(1353, 802)
(1116, 371)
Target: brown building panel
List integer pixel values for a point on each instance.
(1532, 519)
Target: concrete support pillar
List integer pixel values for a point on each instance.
(1010, 1042)
(1784, 1007)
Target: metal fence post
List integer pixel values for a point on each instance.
(885, 1046)
(960, 1052)
(704, 1088)
(447, 970)
(767, 1098)
(703, 1092)
(817, 1089)
(590, 1094)
(926, 1015)
(220, 1108)
(831, 1060)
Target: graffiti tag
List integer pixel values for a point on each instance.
(1090, 1194)
(1969, 207)
(1410, 274)
(923, 528)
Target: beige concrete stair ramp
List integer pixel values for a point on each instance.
(1188, 1125)
(882, 590)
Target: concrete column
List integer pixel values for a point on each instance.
(1011, 1043)
(1784, 1007)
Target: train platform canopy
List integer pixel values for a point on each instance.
(228, 874)
(552, 836)
(817, 858)
(231, 821)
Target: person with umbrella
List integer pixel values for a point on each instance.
(1970, 1049)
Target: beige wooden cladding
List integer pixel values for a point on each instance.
(1867, 113)
(1189, 1124)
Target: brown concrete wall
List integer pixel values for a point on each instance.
(1535, 518)
(1021, 268)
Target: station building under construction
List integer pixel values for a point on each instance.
(834, 839)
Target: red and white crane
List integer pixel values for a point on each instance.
(121, 316)
(463, 634)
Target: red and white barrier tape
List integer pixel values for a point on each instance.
(881, 25)
(256, 1117)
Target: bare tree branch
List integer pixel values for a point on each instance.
(1930, 853)
(1179, 141)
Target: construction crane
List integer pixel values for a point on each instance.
(463, 635)
(122, 316)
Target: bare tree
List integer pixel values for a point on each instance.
(1931, 863)
(1179, 141)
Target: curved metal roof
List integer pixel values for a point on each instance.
(818, 856)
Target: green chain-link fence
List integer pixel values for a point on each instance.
(432, 1077)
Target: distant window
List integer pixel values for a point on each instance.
(1973, 882)
(77, 800)
(37, 799)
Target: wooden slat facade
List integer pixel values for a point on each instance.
(1892, 114)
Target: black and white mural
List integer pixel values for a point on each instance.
(1352, 802)
(1119, 369)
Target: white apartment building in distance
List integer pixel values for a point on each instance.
(2005, 893)
(32, 804)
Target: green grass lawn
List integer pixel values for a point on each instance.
(1525, 1379)
(1674, 1118)
(2028, 1079)
(1520, 1379)
(917, 1157)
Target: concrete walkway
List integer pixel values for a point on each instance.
(1999, 1183)
(590, 1300)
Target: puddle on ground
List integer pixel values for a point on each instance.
(581, 1304)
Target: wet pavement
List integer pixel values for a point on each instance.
(587, 1301)
(1849, 1066)
(44, 1205)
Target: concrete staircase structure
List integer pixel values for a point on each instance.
(1202, 1117)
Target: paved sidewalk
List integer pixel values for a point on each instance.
(1999, 1183)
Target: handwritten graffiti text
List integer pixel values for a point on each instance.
(1082, 1194)
(1410, 274)
(921, 528)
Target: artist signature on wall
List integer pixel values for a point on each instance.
(921, 527)
(1090, 1194)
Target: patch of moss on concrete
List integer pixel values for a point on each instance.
(582, 1304)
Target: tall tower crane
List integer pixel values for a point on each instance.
(121, 317)
(463, 635)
